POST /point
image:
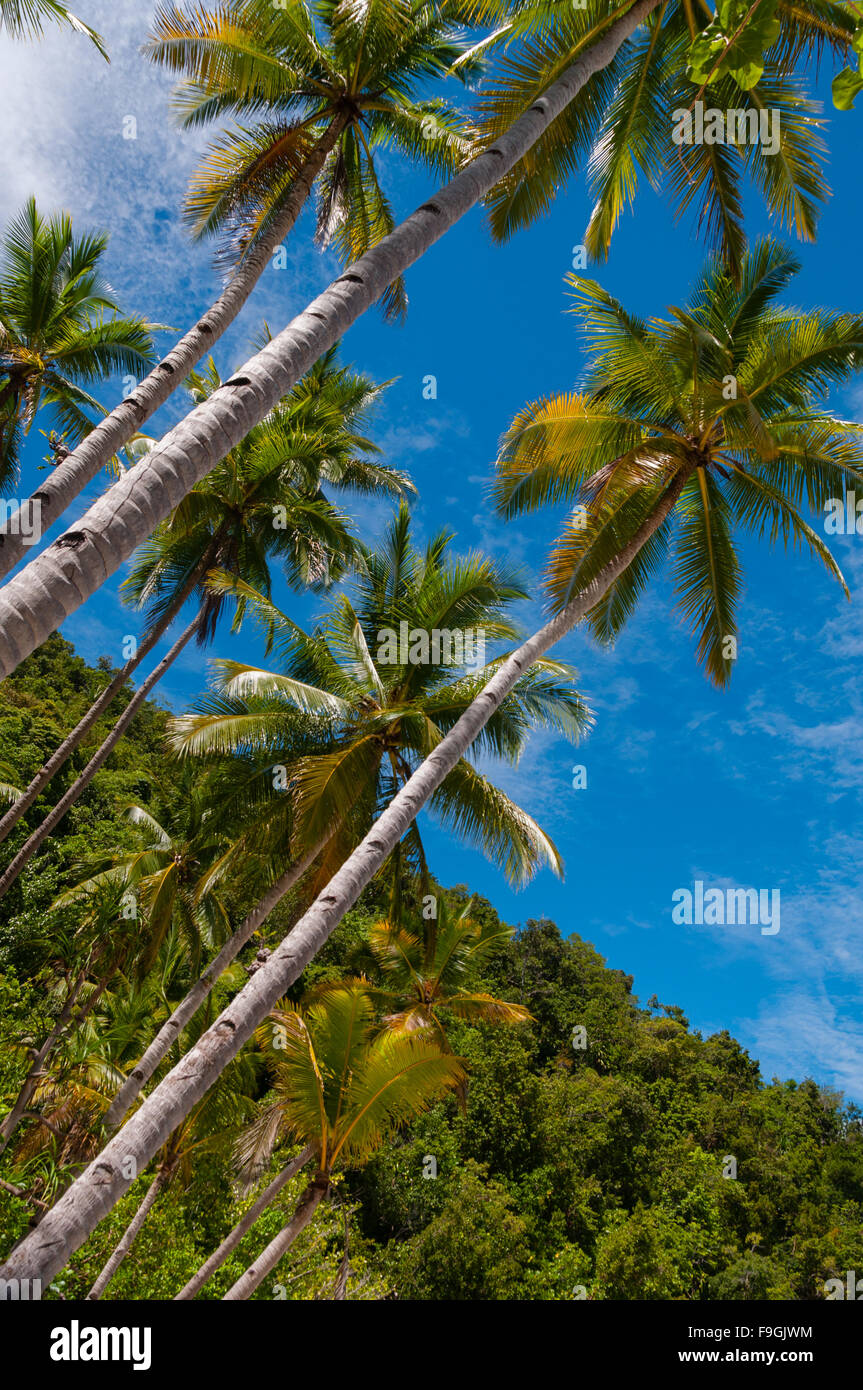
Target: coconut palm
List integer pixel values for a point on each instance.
(80, 967)
(726, 394)
(211, 1127)
(427, 964)
(265, 500)
(372, 718)
(623, 126)
(61, 330)
(189, 451)
(341, 1087)
(81, 1208)
(315, 92)
(301, 78)
(25, 19)
(391, 668)
(166, 878)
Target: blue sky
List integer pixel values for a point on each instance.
(759, 786)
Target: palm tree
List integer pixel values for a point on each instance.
(25, 19)
(168, 876)
(391, 667)
(325, 86)
(265, 499)
(624, 124)
(189, 451)
(55, 333)
(725, 396)
(302, 78)
(341, 1087)
(426, 965)
(210, 1127)
(80, 967)
(813, 350)
(375, 717)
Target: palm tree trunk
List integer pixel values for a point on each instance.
(122, 1249)
(96, 450)
(305, 1210)
(94, 1193)
(232, 1240)
(64, 1024)
(31, 1080)
(71, 742)
(57, 582)
(188, 1007)
(29, 848)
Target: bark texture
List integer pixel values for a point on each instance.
(80, 1209)
(35, 603)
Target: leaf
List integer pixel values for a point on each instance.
(847, 84)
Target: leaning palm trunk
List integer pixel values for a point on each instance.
(31, 1080)
(80, 1209)
(121, 1250)
(57, 582)
(99, 447)
(29, 848)
(188, 1007)
(232, 1240)
(305, 1210)
(79, 733)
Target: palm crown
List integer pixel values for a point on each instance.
(379, 713)
(622, 122)
(339, 1083)
(288, 73)
(427, 964)
(55, 333)
(727, 391)
(266, 499)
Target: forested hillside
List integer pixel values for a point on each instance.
(598, 1149)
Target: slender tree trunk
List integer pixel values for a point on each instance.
(64, 1024)
(95, 452)
(188, 1007)
(31, 1080)
(122, 1249)
(231, 1241)
(96, 1191)
(80, 785)
(305, 1210)
(71, 742)
(57, 582)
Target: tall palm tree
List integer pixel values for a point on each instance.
(325, 86)
(340, 1087)
(193, 448)
(374, 717)
(726, 395)
(81, 1209)
(623, 126)
(25, 19)
(61, 330)
(212, 1126)
(300, 78)
(392, 667)
(427, 964)
(266, 499)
